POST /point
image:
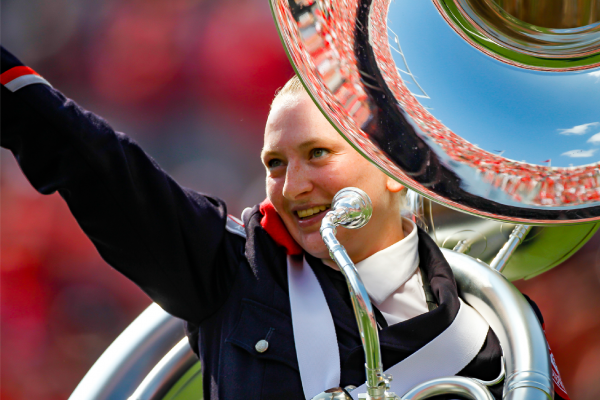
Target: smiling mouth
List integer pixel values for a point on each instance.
(303, 214)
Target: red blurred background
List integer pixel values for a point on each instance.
(191, 81)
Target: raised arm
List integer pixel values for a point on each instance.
(169, 240)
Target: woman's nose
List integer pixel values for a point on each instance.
(297, 181)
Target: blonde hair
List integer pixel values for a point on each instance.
(293, 86)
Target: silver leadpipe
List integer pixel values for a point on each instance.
(351, 208)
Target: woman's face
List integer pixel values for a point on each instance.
(307, 163)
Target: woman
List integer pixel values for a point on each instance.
(227, 281)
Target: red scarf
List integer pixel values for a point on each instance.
(272, 223)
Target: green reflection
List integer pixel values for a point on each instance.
(188, 387)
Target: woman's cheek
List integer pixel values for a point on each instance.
(335, 175)
(274, 189)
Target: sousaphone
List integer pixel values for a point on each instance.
(488, 108)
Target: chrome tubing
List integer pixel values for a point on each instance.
(166, 373)
(515, 239)
(466, 388)
(527, 361)
(121, 368)
(351, 208)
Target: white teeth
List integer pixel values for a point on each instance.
(311, 211)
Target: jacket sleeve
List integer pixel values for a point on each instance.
(169, 240)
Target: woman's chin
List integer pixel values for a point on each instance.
(313, 245)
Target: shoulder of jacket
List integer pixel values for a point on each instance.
(235, 226)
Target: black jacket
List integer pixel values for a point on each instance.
(172, 242)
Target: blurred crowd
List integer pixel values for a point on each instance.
(191, 81)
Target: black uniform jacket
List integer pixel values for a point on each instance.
(173, 243)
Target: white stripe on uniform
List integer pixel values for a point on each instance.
(25, 80)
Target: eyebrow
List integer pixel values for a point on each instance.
(304, 145)
(308, 143)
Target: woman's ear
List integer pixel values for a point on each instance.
(393, 185)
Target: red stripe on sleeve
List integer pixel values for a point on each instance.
(15, 73)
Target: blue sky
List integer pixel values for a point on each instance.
(527, 115)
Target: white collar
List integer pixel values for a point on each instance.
(385, 271)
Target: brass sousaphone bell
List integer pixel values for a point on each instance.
(489, 108)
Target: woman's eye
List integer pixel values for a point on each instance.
(319, 153)
(274, 163)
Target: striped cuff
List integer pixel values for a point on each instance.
(18, 77)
